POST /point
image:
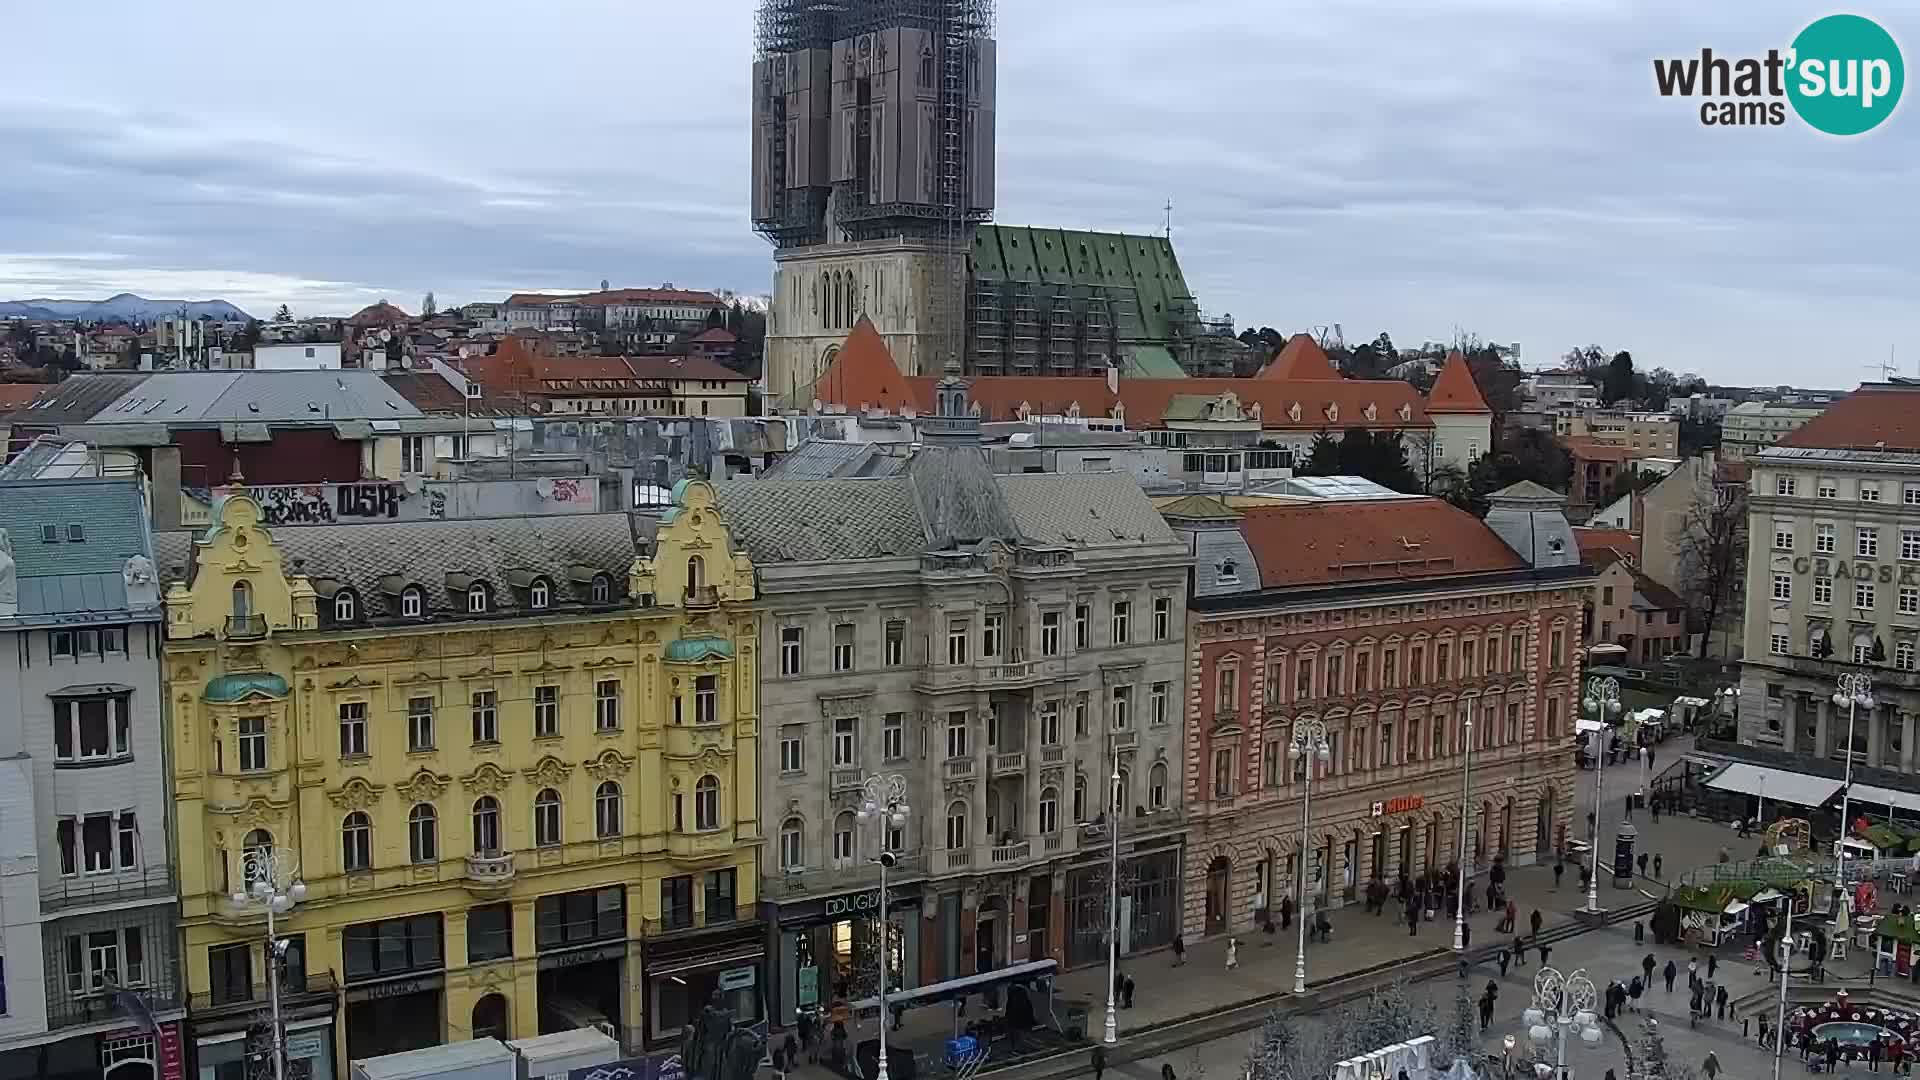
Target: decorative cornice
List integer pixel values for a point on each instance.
(423, 786)
(610, 763)
(356, 794)
(486, 779)
(549, 771)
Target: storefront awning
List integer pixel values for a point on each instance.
(1583, 726)
(1904, 800)
(1777, 784)
(1735, 907)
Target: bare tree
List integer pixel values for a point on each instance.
(428, 307)
(1710, 546)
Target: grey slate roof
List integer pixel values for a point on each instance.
(1084, 510)
(257, 397)
(821, 520)
(824, 459)
(824, 520)
(426, 552)
(76, 400)
(68, 576)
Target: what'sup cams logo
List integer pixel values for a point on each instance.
(1842, 75)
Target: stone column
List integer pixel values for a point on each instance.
(1790, 719)
(1906, 742)
(1876, 734)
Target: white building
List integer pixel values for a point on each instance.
(297, 356)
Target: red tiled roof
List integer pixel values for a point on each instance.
(1455, 391)
(715, 336)
(1301, 358)
(1596, 540)
(380, 314)
(18, 394)
(517, 368)
(1336, 542)
(864, 375)
(433, 394)
(1874, 417)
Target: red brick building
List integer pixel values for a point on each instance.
(1390, 619)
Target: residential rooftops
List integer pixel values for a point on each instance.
(1878, 416)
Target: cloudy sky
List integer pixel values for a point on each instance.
(1501, 167)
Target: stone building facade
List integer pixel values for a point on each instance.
(1391, 622)
(994, 642)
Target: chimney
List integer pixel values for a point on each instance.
(1113, 379)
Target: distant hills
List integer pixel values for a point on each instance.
(125, 307)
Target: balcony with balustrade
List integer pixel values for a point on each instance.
(990, 673)
(491, 872)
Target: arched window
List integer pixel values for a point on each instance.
(695, 568)
(356, 842)
(546, 818)
(423, 834)
(1049, 811)
(345, 608)
(793, 847)
(539, 595)
(1080, 798)
(477, 598)
(843, 839)
(606, 810)
(1157, 786)
(706, 803)
(602, 589)
(486, 825)
(413, 602)
(957, 835)
(242, 599)
(490, 1017)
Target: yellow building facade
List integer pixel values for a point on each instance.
(512, 761)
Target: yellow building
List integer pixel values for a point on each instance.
(513, 762)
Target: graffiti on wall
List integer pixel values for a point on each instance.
(382, 500)
(322, 504)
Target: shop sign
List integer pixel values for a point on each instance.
(1403, 804)
(397, 988)
(740, 978)
(809, 991)
(659, 1067)
(306, 1044)
(853, 903)
(173, 1057)
(1856, 571)
(578, 957)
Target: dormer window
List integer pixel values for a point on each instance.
(602, 589)
(539, 595)
(413, 603)
(477, 599)
(346, 608)
(1229, 573)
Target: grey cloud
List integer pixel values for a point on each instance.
(1500, 165)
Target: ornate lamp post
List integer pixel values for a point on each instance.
(1561, 1002)
(1855, 691)
(1786, 961)
(1466, 797)
(270, 883)
(883, 799)
(1112, 1033)
(1602, 700)
(1309, 745)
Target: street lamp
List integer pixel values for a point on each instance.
(1561, 1002)
(1786, 961)
(1602, 700)
(1466, 797)
(1112, 1033)
(269, 883)
(1855, 691)
(1309, 743)
(884, 799)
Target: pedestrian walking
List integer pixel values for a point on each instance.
(1466, 935)
(1655, 807)
(1505, 958)
(1711, 1066)
(1286, 912)
(1413, 921)
(1544, 950)
(1671, 973)
(1693, 973)
(1647, 964)
(1513, 916)
(1166, 1071)
(1486, 1012)
(1233, 953)
(1634, 990)
(1643, 863)
(1720, 1002)
(1519, 951)
(1656, 867)
(1179, 950)
(1875, 1050)
(1534, 920)
(1559, 870)
(1126, 992)
(1099, 1062)
(1713, 964)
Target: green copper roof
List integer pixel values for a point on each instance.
(231, 688)
(694, 650)
(1143, 263)
(1150, 362)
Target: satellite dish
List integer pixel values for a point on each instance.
(386, 336)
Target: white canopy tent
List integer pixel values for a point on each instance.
(1777, 784)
